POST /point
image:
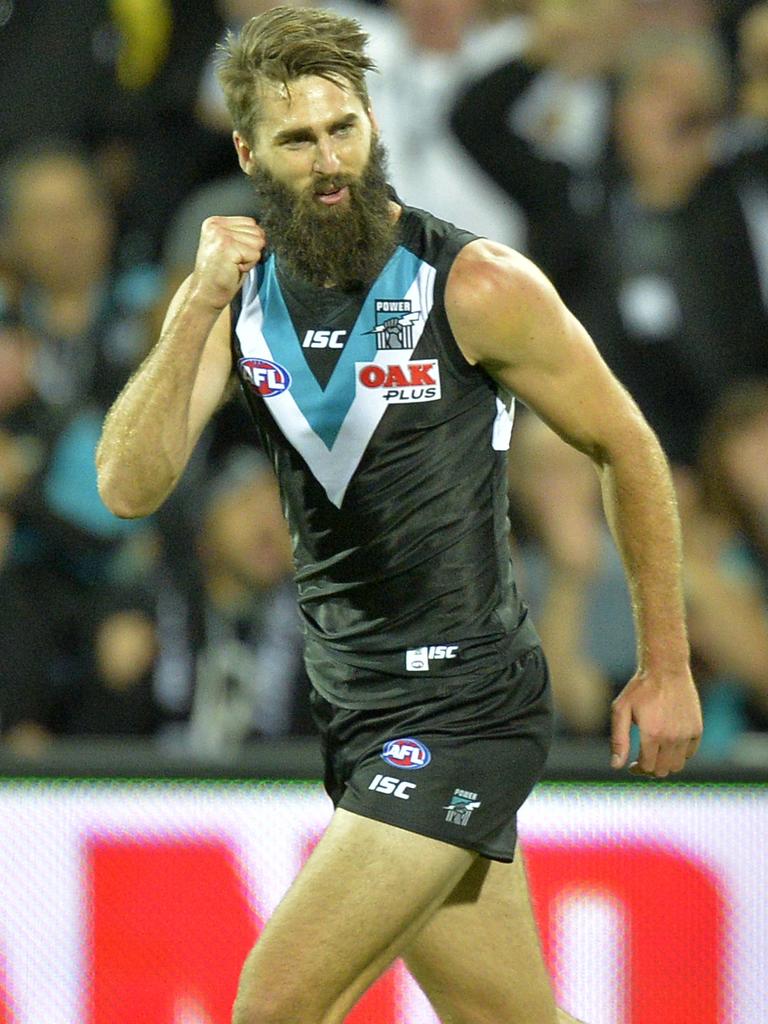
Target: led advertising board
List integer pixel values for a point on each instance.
(137, 901)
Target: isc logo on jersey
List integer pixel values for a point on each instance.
(417, 659)
(406, 753)
(266, 377)
(417, 381)
(324, 339)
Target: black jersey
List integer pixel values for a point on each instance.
(390, 451)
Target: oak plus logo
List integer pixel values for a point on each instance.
(324, 339)
(265, 377)
(406, 753)
(397, 383)
(417, 659)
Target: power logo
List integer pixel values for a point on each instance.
(267, 378)
(417, 381)
(406, 753)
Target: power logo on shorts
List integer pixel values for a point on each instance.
(267, 378)
(406, 753)
(463, 802)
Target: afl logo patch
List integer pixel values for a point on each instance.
(267, 378)
(406, 753)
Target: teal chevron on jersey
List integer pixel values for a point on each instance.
(325, 409)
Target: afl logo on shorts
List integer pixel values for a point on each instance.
(406, 753)
(268, 378)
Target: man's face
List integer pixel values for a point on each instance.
(666, 121)
(320, 180)
(56, 213)
(245, 536)
(310, 138)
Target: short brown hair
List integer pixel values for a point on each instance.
(284, 44)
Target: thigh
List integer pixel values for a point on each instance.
(478, 959)
(363, 894)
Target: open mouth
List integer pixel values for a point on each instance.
(332, 196)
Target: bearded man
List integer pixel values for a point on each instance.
(379, 349)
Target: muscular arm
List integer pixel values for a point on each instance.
(154, 424)
(507, 317)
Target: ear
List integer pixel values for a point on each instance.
(244, 153)
(374, 122)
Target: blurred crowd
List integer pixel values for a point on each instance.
(622, 144)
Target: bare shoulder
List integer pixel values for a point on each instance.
(493, 296)
(490, 265)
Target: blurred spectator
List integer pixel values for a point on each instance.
(170, 152)
(240, 641)
(75, 635)
(570, 571)
(111, 77)
(753, 63)
(734, 466)
(750, 131)
(571, 574)
(57, 73)
(426, 50)
(663, 257)
(724, 511)
(57, 236)
(680, 15)
(569, 61)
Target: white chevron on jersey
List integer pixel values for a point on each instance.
(333, 467)
(502, 424)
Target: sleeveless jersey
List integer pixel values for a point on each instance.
(390, 450)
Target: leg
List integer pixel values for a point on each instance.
(478, 959)
(362, 897)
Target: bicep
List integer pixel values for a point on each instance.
(508, 317)
(561, 376)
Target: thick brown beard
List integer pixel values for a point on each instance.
(344, 246)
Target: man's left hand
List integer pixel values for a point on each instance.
(668, 714)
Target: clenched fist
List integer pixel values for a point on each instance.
(229, 247)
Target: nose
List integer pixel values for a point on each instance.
(326, 158)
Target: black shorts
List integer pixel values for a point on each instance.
(454, 768)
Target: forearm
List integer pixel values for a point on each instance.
(480, 121)
(146, 436)
(640, 505)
